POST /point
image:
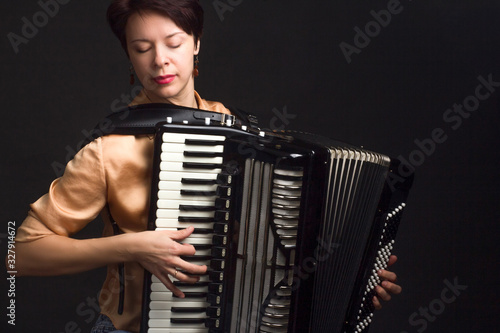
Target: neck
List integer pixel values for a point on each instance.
(185, 98)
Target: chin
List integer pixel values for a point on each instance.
(165, 92)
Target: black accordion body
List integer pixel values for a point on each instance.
(291, 226)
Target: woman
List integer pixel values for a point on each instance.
(113, 174)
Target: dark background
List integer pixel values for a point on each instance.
(271, 55)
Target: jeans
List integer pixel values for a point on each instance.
(104, 325)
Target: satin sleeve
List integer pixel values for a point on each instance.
(73, 200)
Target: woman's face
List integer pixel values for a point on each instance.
(162, 56)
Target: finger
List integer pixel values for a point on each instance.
(186, 250)
(392, 260)
(382, 293)
(182, 276)
(188, 267)
(392, 287)
(169, 284)
(387, 275)
(376, 303)
(181, 234)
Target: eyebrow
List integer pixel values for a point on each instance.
(147, 40)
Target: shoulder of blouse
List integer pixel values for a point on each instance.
(73, 200)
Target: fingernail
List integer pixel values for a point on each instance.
(379, 272)
(384, 284)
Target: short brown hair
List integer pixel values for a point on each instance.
(186, 14)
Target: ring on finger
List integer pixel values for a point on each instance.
(175, 274)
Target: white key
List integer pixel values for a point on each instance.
(177, 176)
(181, 137)
(179, 157)
(174, 204)
(154, 279)
(160, 288)
(178, 167)
(198, 240)
(176, 195)
(166, 314)
(198, 237)
(169, 296)
(177, 186)
(178, 330)
(183, 199)
(178, 147)
(174, 213)
(174, 223)
(174, 328)
(166, 324)
(160, 305)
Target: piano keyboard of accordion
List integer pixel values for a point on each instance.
(292, 228)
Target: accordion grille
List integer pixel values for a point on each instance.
(266, 247)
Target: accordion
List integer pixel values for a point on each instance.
(292, 227)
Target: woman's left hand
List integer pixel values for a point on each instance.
(388, 285)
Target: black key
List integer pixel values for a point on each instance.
(222, 216)
(200, 231)
(194, 295)
(218, 252)
(189, 219)
(193, 208)
(216, 276)
(224, 191)
(203, 142)
(213, 311)
(219, 240)
(195, 181)
(187, 320)
(198, 193)
(213, 323)
(188, 309)
(224, 179)
(202, 246)
(195, 165)
(208, 154)
(196, 258)
(213, 299)
(222, 204)
(221, 228)
(215, 288)
(217, 264)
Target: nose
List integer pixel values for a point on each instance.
(161, 56)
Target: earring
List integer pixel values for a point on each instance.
(196, 71)
(132, 77)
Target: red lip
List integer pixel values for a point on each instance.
(164, 79)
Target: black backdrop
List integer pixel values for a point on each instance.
(391, 92)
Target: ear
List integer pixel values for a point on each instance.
(197, 48)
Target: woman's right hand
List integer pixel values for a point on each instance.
(160, 253)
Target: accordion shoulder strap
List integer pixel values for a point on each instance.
(142, 119)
